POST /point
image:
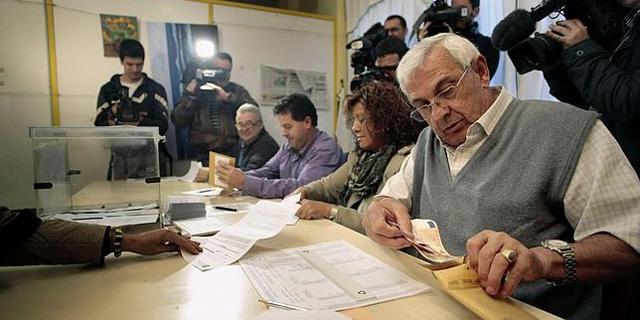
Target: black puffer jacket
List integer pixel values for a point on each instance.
(592, 77)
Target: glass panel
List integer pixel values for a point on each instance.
(95, 168)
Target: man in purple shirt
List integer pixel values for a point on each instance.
(308, 155)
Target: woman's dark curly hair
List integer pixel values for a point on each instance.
(389, 113)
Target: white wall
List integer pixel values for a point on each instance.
(254, 37)
(24, 96)
(81, 63)
(82, 68)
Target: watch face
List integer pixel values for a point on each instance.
(557, 243)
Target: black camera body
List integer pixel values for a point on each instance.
(127, 110)
(371, 74)
(363, 59)
(216, 76)
(603, 19)
(439, 14)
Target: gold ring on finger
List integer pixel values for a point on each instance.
(509, 254)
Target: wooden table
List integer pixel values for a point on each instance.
(166, 287)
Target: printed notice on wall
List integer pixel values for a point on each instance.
(277, 83)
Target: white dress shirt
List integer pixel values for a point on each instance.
(603, 195)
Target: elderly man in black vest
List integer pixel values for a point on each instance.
(536, 190)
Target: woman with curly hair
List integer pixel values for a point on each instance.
(384, 133)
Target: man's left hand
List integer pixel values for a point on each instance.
(310, 210)
(568, 32)
(231, 175)
(496, 274)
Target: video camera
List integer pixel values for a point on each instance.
(603, 19)
(371, 74)
(439, 14)
(363, 59)
(215, 76)
(127, 111)
(210, 79)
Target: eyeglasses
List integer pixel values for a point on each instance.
(246, 125)
(424, 111)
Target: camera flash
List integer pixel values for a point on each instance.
(205, 49)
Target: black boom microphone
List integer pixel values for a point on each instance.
(513, 29)
(519, 24)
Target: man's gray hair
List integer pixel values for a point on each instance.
(461, 50)
(248, 107)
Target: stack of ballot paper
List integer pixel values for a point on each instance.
(115, 217)
(200, 227)
(182, 208)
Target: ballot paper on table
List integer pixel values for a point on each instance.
(264, 220)
(287, 207)
(279, 314)
(327, 276)
(199, 227)
(115, 217)
(232, 242)
(190, 176)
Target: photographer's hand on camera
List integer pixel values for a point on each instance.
(424, 30)
(568, 32)
(220, 93)
(191, 87)
(113, 111)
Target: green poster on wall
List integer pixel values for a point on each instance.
(116, 29)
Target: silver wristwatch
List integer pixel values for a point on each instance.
(568, 257)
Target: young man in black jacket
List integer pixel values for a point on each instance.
(132, 98)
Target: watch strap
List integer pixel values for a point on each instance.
(569, 261)
(334, 213)
(117, 242)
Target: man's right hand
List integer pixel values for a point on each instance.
(191, 87)
(158, 241)
(375, 222)
(424, 29)
(115, 105)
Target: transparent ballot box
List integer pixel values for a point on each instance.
(99, 175)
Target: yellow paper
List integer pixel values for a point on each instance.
(461, 282)
(216, 159)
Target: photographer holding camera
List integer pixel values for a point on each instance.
(458, 19)
(395, 26)
(388, 54)
(132, 98)
(208, 105)
(589, 75)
